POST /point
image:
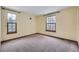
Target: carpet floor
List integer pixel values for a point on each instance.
(39, 43)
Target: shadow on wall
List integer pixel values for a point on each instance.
(0, 46)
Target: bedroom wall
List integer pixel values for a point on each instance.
(0, 25)
(66, 23)
(0, 29)
(78, 25)
(25, 26)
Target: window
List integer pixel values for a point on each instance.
(11, 24)
(51, 23)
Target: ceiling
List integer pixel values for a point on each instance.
(37, 10)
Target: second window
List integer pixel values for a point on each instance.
(51, 23)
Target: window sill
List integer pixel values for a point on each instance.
(50, 31)
(11, 32)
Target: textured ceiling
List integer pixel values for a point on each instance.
(37, 10)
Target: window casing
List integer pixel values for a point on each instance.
(51, 23)
(11, 23)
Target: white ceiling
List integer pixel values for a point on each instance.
(37, 10)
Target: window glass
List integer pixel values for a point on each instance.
(11, 23)
(51, 23)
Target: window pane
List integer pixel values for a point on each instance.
(53, 27)
(11, 17)
(11, 27)
(48, 20)
(48, 26)
(51, 19)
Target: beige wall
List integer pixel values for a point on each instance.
(24, 25)
(0, 25)
(66, 22)
(0, 29)
(78, 24)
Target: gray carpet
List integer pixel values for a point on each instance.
(39, 43)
